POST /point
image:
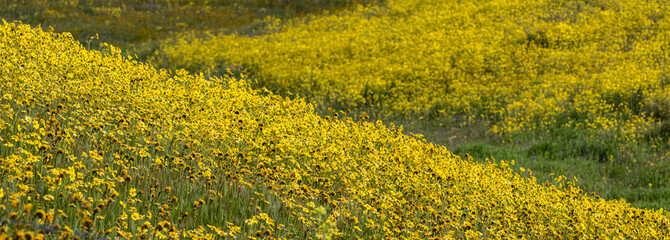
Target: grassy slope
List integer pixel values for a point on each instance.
(638, 175)
(550, 84)
(138, 26)
(101, 145)
(572, 152)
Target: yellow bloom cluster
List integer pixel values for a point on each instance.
(95, 144)
(517, 64)
(135, 24)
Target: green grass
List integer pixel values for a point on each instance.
(611, 168)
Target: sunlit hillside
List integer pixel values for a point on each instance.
(95, 144)
(518, 64)
(136, 25)
(568, 87)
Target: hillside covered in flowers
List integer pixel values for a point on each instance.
(564, 87)
(96, 144)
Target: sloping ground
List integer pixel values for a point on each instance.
(96, 144)
(136, 25)
(571, 87)
(518, 64)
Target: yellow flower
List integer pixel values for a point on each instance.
(14, 203)
(40, 214)
(86, 224)
(251, 221)
(126, 235)
(136, 216)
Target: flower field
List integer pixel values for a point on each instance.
(569, 87)
(97, 145)
(517, 64)
(275, 131)
(135, 24)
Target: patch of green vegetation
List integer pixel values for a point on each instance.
(611, 168)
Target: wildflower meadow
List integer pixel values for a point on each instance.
(541, 121)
